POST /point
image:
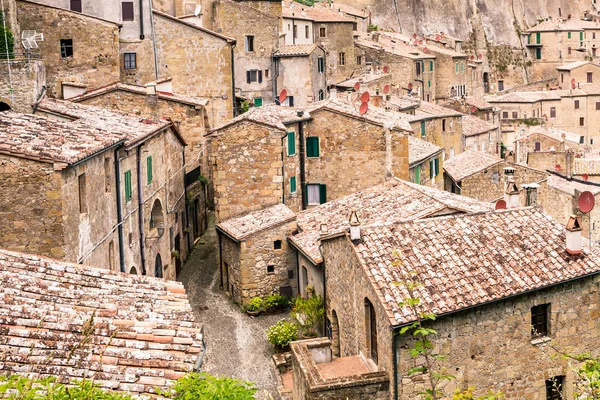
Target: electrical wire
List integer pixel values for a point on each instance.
(12, 94)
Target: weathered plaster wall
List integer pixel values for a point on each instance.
(27, 81)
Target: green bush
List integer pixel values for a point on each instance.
(9, 37)
(17, 387)
(282, 333)
(309, 313)
(207, 387)
(276, 302)
(255, 304)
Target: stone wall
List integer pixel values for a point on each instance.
(450, 138)
(436, 181)
(357, 145)
(339, 39)
(199, 62)
(547, 161)
(145, 70)
(448, 75)
(527, 145)
(31, 210)
(300, 77)
(95, 61)
(27, 81)
(314, 276)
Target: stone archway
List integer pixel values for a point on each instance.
(4, 106)
(335, 334)
(133, 271)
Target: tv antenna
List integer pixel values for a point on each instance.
(30, 39)
(198, 10)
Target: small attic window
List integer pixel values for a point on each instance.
(277, 245)
(270, 269)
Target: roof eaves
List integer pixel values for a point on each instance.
(175, 19)
(72, 12)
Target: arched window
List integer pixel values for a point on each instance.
(371, 329)
(156, 216)
(133, 271)
(158, 267)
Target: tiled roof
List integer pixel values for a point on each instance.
(558, 25)
(403, 103)
(427, 110)
(133, 127)
(351, 10)
(431, 48)
(569, 186)
(573, 65)
(245, 226)
(399, 48)
(317, 13)
(365, 77)
(466, 260)
(419, 150)
(469, 162)
(295, 50)
(392, 201)
(269, 114)
(475, 126)
(179, 98)
(191, 25)
(527, 97)
(140, 331)
(52, 141)
(586, 166)
(478, 102)
(552, 133)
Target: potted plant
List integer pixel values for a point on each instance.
(254, 307)
(309, 313)
(275, 303)
(282, 333)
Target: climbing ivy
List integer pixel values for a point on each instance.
(6, 36)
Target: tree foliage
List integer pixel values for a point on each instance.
(6, 36)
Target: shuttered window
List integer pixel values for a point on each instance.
(149, 169)
(539, 320)
(293, 184)
(127, 10)
(422, 128)
(291, 143)
(431, 169)
(418, 174)
(130, 60)
(569, 35)
(436, 163)
(258, 101)
(430, 66)
(315, 194)
(128, 193)
(320, 64)
(312, 146)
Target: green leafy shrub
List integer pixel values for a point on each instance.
(17, 387)
(276, 302)
(309, 313)
(282, 333)
(207, 387)
(256, 304)
(9, 37)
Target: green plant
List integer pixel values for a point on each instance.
(175, 253)
(255, 304)
(203, 179)
(282, 333)
(207, 387)
(276, 302)
(6, 36)
(309, 313)
(372, 28)
(468, 395)
(15, 387)
(244, 107)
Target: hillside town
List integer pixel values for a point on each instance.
(297, 200)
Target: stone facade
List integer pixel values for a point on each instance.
(547, 160)
(443, 131)
(28, 78)
(254, 268)
(95, 46)
(339, 45)
(300, 77)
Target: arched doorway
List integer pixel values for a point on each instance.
(4, 106)
(486, 82)
(156, 216)
(335, 334)
(158, 267)
(133, 271)
(371, 330)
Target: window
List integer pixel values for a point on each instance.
(576, 104)
(128, 193)
(569, 50)
(291, 136)
(289, 101)
(249, 44)
(443, 125)
(418, 175)
(320, 64)
(430, 66)
(593, 35)
(82, 194)
(538, 53)
(597, 106)
(434, 168)
(111, 255)
(355, 26)
(316, 194)
(321, 94)
(562, 78)
(552, 112)
(515, 114)
(580, 35)
(254, 75)
(277, 245)
(149, 169)
(270, 269)
(306, 31)
(569, 35)
(312, 146)
(504, 114)
(342, 59)
(322, 32)
(295, 31)
(293, 184)
(590, 77)
(554, 388)
(462, 67)
(371, 328)
(76, 5)
(358, 60)
(423, 133)
(581, 139)
(107, 174)
(127, 10)
(130, 60)
(258, 101)
(591, 141)
(537, 146)
(581, 121)
(428, 84)
(66, 48)
(456, 68)
(500, 86)
(539, 320)
(538, 37)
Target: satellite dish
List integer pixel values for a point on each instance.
(198, 10)
(473, 109)
(364, 107)
(282, 96)
(557, 167)
(501, 205)
(386, 89)
(472, 57)
(414, 35)
(410, 86)
(585, 177)
(386, 69)
(29, 39)
(573, 86)
(357, 86)
(365, 97)
(437, 38)
(586, 202)
(573, 81)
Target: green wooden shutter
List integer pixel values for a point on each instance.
(323, 193)
(437, 166)
(431, 66)
(431, 169)
(428, 84)
(569, 35)
(418, 175)
(293, 184)
(538, 37)
(128, 193)
(258, 100)
(312, 146)
(529, 39)
(456, 68)
(422, 128)
(291, 143)
(580, 35)
(149, 169)
(538, 53)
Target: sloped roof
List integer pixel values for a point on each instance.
(269, 114)
(240, 228)
(419, 150)
(392, 201)
(468, 163)
(292, 9)
(478, 102)
(351, 10)
(467, 260)
(569, 186)
(295, 50)
(399, 48)
(141, 332)
(560, 25)
(528, 97)
(193, 26)
(574, 65)
(475, 126)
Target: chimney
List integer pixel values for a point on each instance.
(387, 132)
(569, 162)
(354, 226)
(511, 194)
(349, 95)
(531, 199)
(377, 100)
(151, 88)
(333, 94)
(574, 229)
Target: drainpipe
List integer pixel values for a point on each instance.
(283, 167)
(153, 41)
(220, 260)
(142, 36)
(233, 79)
(387, 127)
(119, 210)
(274, 76)
(302, 164)
(140, 208)
(185, 195)
(395, 361)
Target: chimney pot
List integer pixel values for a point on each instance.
(511, 194)
(531, 199)
(333, 94)
(573, 235)
(354, 226)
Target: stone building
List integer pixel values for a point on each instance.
(256, 33)
(539, 140)
(361, 17)
(79, 322)
(574, 74)
(481, 135)
(286, 155)
(483, 176)
(21, 88)
(300, 72)
(470, 296)
(256, 259)
(88, 185)
(475, 106)
(77, 48)
(426, 163)
(372, 80)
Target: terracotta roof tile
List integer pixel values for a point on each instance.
(419, 150)
(293, 50)
(569, 187)
(468, 259)
(46, 305)
(270, 114)
(242, 227)
(469, 162)
(315, 13)
(475, 126)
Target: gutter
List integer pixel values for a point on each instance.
(233, 79)
(119, 211)
(302, 164)
(141, 210)
(142, 36)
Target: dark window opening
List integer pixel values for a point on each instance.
(76, 5)
(249, 43)
(371, 325)
(290, 274)
(66, 48)
(515, 114)
(6, 107)
(355, 26)
(554, 388)
(537, 146)
(322, 32)
(581, 139)
(270, 269)
(277, 245)
(127, 10)
(539, 320)
(590, 77)
(505, 114)
(82, 194)
(576, 104)
(130, 60)
(581, 121)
